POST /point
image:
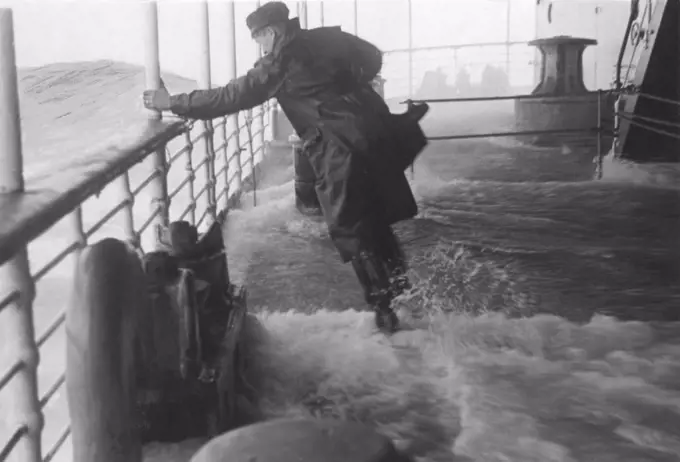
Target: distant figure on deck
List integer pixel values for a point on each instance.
(357, 149)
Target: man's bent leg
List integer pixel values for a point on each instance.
(347, 198)
(390, 251)
(306, 200)
(374, 279)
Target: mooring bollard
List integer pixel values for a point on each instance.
(109, 289)
(295, 440)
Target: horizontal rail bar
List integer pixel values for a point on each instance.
(28, 215)
(204, 134)
(58, 321)
(649, 128)
(9, 299)
(659, 99)
(201, 164)
(188, 179)
(224, 168)
(454, 47)
(12, 442)
(177, 155)
(206, 213)
(10, 373)
(187, 209)
(651, 120)
(58, 444)
(149, 220)
(107, 216)
(202, 191)
(500, 98)
(52, 390)
(222, 122)
(55, 261)
(222, 193)
(145, 183)
(521, 133)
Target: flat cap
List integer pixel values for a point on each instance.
(266, 15)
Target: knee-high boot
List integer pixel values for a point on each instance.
(375, 281)
(306, 200)
(392, 254)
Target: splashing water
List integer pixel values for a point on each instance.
(542, 326)
(463, 382)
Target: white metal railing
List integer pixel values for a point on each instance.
(214, 159)
(182, 170)
(405, 69)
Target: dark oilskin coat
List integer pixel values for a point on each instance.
(322, 81)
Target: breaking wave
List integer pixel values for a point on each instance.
(542, 326)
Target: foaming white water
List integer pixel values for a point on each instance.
(452, 386)
(488, 388)
(485, 388)
(663, 175)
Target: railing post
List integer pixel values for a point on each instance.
(159, 186)
(619, 107)
(19, 330)
(321, 14)
(205, 82)
(233, 120)
(101, 325)
(410, 49)
(600, 154)
(303, 14)
(356, 17)
(266, 106)
(508, 20)
(274, 120)
(410, 65)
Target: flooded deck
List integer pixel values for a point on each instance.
(543, 326)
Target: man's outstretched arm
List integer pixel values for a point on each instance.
(252, 89)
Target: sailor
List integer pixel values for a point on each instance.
(356, 148)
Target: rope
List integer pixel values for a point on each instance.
(651, 120)
(659, 99)
(649, 128)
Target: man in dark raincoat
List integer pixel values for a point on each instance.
(357, 149)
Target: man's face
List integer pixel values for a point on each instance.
(265, 38)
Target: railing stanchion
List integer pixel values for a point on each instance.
(233, 120)
(205, 82)
(322, 20)
(264, 107)
(158, 187)
(128, 211)
(410, 65)
(101, 325)
(189, 169)
(619, 107)
(17, 324)
(303, 14)
(274, 120)
(251, 151)
(225, 154)
(600, 155)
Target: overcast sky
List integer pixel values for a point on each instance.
(50, 31)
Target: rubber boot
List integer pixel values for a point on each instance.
(306, 200)
(374, 279)
(391, 252)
